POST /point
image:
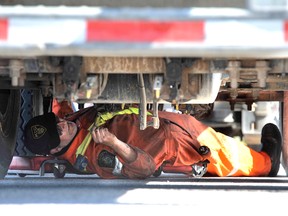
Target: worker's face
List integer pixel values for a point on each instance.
(67, 131)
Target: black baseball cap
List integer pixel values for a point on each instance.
(41, 135)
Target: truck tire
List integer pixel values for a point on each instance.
(9, 116)
(26, 113)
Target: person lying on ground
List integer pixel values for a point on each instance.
(111, 144)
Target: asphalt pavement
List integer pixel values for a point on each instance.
(169, 194)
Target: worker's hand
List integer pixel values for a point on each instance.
(102, 135)
(123, 150)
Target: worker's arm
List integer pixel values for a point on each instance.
(136, 163)
(103, 136)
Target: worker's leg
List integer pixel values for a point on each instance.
(232, 158)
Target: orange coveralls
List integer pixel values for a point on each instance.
(61, 108)
(176, 143)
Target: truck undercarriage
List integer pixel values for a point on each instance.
(109, 55)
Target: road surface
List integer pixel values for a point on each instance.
(169, 194)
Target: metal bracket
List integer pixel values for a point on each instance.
(71, 75)
(143, 103)
(16, 72)
(173, 76)
(56, 162)
(156, 96)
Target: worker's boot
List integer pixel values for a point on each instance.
(271, 140)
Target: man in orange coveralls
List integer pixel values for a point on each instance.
(119, 149)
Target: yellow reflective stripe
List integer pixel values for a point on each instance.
(234, 157)
(82, 148)
(107, 116)
(228, 147)
(103, 118)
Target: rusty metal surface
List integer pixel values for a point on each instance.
(123, 65)
(247, 95)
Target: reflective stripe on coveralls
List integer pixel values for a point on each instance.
(232, 158)
(234, 155)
